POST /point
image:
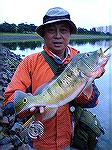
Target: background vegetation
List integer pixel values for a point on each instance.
(30, 28)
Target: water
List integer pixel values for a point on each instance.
(104, 108)
(104, 84)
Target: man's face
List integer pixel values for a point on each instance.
(56, 36)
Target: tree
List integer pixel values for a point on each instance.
(5, 27)
(33, 27)
(13, 28)
(93, 31)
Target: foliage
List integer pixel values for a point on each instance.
(91, 31)
(25, 28)
(20, 28)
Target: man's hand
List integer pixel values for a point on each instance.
(98, 73)
(41, 109)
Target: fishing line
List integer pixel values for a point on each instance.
(107, 48)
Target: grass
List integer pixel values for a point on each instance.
(18, 37)
(18, 34)
(90, 36)
(12, 37)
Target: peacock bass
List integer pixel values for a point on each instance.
(67, 86)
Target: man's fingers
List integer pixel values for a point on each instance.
(100, 72)
(32, 109)
(42, 109)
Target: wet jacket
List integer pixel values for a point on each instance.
(31, 73)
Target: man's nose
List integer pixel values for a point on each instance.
(58, 33)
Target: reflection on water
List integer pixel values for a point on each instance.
(90, 41)
(26, 48)
(23, 45)
(104, 84)
(34, 44)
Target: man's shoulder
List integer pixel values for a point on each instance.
(33, 59)
(74, 51)
(33, 56)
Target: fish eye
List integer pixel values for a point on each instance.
(24, 100)
(87, 54)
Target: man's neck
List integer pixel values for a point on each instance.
(61, 54)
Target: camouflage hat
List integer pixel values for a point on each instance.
(53, 15)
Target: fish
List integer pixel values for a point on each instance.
(76, 76)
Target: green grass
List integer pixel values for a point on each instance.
(72, 36)
(18, 37)
(36, 37)
(18, 34)
(90, 36)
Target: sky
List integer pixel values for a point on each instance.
(84, 13)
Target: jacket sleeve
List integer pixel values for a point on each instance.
(91, 102)
(20, 81)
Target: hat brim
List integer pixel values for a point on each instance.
(40, 29)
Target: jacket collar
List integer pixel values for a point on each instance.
(56, 58)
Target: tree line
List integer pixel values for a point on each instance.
(20, 28)
(30, 28)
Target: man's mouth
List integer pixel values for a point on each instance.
(57, 43)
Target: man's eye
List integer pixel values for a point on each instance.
(64, 30)
(51, 30)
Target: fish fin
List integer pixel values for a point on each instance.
(18, 95)
(88, 84)
(76, 58)
(49, 113)
(88, 91)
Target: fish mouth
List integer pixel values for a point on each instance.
(104, 53)
(103, 59)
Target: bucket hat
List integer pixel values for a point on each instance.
(56, 14)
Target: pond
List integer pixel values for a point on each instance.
(104, 84)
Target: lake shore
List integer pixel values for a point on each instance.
(10, 126)
(17, 37)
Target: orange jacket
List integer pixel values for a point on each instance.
(58, 129)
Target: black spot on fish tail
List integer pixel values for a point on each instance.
(70, 73)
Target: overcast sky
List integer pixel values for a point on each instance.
(84, 13)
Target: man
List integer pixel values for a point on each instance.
(34, 71)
